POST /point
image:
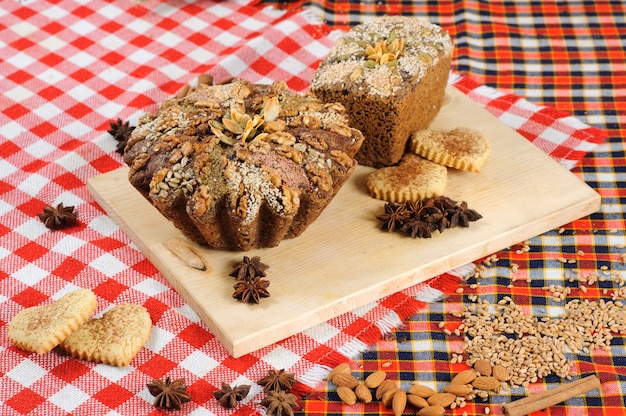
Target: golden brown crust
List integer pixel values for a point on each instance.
(390, 74)
(41, 328)
(414, 179)
(114, 339)
(240, 166)
(462, 148)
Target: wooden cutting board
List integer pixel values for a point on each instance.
(343, 260)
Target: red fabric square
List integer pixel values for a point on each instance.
(141, 101)
(241, 364)
(25, 401)
(113, 395)
(82, 75)
(111, 27)
(155, 308)
(69, 181)
(29, 297)
(32, 207)
(110, 289)
(24, 13)
(35, 165)
(82, 43)
(111, 92)
(82, 12)
(157, 367)
(105, 164)
(31, 251)
(357, 328)
(43, 129)
(69, 268)
(52, 59)
(70, 370)
(53, 27)
(50, 93)
(145, 267)
(79, 110)
(15, 111)
(8, 149)
(195, 335)
(108, 244)
(20, 77)
(201, 391)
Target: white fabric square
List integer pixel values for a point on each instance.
(68, 245)
(280, 357)
(108, 265)
(26, 373)
(199, 363)
(30, 274)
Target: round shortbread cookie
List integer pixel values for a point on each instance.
(462, 148)
(41, 328)
(415, 178)
(113, 339)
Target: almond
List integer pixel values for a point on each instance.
(501, 373)
(398, 403)
(373, 380)
(346, 395)
(341, 368)
(388, 396)
(464, 377)
(431, 411)
(460, 390)
(441, 399)
(416, 401)
(363, 393)
(345, 380)
(422, 391)
(483, 367)
(486, 383)
(384, 386)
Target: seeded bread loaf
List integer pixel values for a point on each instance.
(390, 73)
(239, 165)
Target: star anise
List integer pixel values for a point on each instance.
(280, 403)
(443, 202)
(58, 217)
(229, 396)
(120, 131)
(462, 215)
(249, 267)
(251, 290)
(394, 216)
(417, 228)
(277, 381)
(169, 394)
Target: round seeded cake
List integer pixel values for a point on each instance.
(239, 165)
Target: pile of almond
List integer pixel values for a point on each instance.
(466, 385)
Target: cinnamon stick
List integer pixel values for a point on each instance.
(551, 397)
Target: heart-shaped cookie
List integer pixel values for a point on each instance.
(462, 148)
(414, 179)
(114, 339)
(41, 328)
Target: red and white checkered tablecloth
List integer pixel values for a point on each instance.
(69, 67)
